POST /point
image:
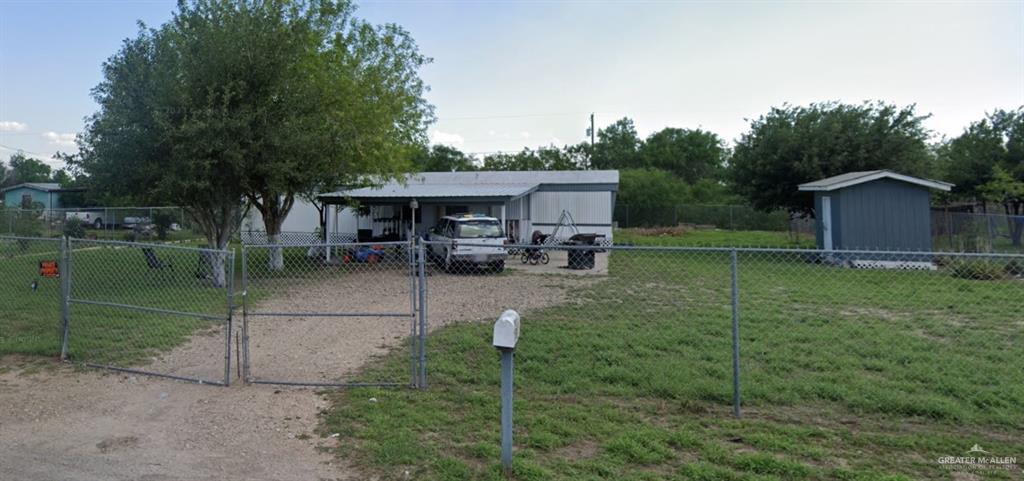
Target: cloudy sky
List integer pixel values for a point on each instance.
(512, 74)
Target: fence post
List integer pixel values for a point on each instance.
(65, 296)
(414, 301)
(245, 318)
(230, 259)
(735, 338)
(423, 315)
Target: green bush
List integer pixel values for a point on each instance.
(162, 222)
(74, 228)
(977, 269)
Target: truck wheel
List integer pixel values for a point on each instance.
(498, 266)
(98, 224)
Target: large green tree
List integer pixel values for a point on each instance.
(443, 158)
(791, 145)
(22, 168)
(617, 146)
(258, 101)
(986, 162)
(692, 155)
(543, 158)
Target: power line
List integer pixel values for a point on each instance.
(15, 149)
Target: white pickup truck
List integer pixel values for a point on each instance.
(93, 218)
(469, 239)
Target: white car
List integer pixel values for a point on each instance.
(469, 239)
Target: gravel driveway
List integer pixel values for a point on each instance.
(61, 424)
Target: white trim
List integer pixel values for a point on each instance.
(826, 222)
(934, 184)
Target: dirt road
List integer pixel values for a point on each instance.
(63, 424)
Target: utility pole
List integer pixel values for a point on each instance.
(591, 130)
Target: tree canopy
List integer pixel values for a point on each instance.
(791, 145)
(986, 162)
(255, 100)
(21, 168)
(692, 155)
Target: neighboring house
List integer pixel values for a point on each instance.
(45, 193)
(874, 210)
(525, 201)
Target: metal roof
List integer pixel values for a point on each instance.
(853, 178)
(475, 184)
(43, 186)
(518, 177)
(396, 190)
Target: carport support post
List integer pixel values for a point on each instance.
(735, 338)
(65, 296)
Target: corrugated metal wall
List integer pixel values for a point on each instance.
(585, 207)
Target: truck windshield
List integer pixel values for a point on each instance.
(479, 229)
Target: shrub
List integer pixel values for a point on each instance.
(74, 228)
(162, 222)
(977, 269)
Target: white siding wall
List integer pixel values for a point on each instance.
(585, 207)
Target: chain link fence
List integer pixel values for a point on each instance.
(970, 232)
(313, 312)
(897, 333)
(152, 309)
(104, 223)
(30, 295)
(894, 333)
(252, 237)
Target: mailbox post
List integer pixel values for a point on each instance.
(506, 335)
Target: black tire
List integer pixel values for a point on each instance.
(498, 266)
(98, 224)
(545, 258)
(524, 258)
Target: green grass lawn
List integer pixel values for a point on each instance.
(101, 272)
(847, 374)
(713, 238)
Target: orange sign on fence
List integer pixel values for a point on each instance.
(49, 269)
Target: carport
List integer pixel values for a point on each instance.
(395, 211)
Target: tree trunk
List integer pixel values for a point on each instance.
(1015, 221)
(273, 208)
(218, 224)
(276, 261)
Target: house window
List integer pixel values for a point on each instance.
(26, 201)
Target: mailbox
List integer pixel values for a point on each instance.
(506, 330)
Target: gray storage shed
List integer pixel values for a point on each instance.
(873, 210)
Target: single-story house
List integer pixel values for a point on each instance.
(525, 201)
(873, 210)
(47, 194)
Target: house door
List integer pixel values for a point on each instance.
(826, 222)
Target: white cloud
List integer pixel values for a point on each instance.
(524, 134)
(556, 141)
(12, 126)
(62, 140)
(438, 137)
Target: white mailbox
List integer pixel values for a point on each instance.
(506, 330)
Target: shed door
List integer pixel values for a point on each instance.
(826, 222)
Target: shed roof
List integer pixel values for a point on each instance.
(853, 178)
(41, 186)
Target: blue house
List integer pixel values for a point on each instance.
(873, 210)
(45, 193)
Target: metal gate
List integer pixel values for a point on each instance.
(313, 313)
(150, 309)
